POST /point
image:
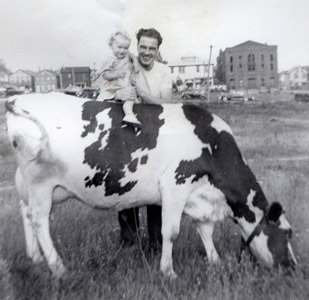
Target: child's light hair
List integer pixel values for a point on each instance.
(119, 33)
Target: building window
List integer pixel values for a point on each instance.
(239, 57)
(172, 70)
(69, 75)
(271, 66)
(232, 84)
(262, 57)
(296, 75)
(181, 69)
(240, 66)
(271, 57)
(198, 69)
(231, 59)
(251, 62)
(231, 68)
(263, 82)
(262, 67)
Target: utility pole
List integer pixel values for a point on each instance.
(208, 88)
(73, 76)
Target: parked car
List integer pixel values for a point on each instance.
(11, 91)
(90, 92)
(194, 93)
(73, 90)
(236, 95)
(301, 96)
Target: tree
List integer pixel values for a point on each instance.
(3, 67)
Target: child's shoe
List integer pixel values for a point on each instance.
(132, 120)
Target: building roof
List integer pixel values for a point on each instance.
(250, 44)
(31, 73)
(55, 73)
(188, 61)
(76, 69)
(28, 72)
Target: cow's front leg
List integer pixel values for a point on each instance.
(205, 229)
(40, 203)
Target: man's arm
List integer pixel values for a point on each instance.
(165, 92)
(146, 97)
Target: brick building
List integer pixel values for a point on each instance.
(75, 76)
(249, 65)
(46, 81)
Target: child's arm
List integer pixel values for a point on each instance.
(111, 75)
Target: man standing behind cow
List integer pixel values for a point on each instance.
(153, 85)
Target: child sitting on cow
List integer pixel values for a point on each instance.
(117, 72)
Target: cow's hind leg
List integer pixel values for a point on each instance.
(173, 203)
(205, 229)
(32, 245)
(40, 203)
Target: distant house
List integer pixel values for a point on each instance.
(23, 79)
(296, 78)
(75, 76)
(192, 70)
(47, 81)
(249, 65)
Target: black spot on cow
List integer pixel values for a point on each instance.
(133, 165)
(222, 163)
(110, 161)
(144, 160)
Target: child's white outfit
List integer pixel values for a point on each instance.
(108, 88)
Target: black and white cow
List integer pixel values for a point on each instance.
(184, 159)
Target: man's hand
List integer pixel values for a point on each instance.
(127, 93)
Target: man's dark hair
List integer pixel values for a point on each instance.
(151, 32)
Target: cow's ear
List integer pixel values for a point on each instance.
(275, 212)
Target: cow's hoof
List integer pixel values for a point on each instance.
(36, 257)
(170, 275)
(58, 270)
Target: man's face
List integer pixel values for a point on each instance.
(147, 49)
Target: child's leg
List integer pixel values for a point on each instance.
(129, 115)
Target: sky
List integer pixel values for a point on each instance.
(39, 34)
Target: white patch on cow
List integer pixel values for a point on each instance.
(260, 249)
(292, 253)
(284, 224)
(247, 228)
(207, 203)
(177, 126)
(220, 125)
(257, 211)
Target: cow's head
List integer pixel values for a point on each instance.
(270, 239)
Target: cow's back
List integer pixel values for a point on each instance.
(93, 150)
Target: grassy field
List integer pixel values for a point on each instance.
(273, 135)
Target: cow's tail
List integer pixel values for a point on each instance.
(15, 110)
